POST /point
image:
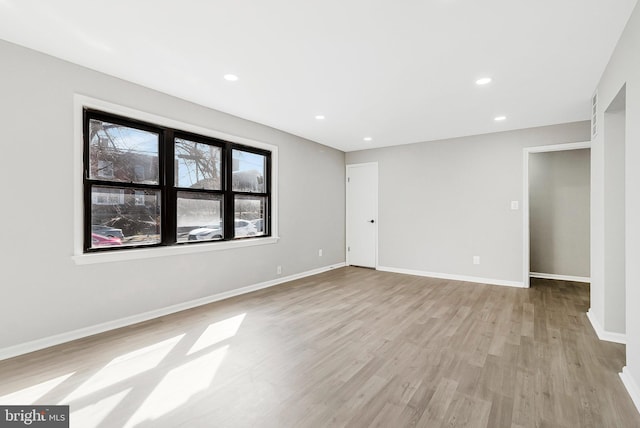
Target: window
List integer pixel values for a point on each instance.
(160, 186)
(249, 191)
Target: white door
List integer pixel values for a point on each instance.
(362, 214)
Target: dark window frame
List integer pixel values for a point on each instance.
(166, 182)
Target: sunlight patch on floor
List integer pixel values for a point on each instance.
(178, 386)
(124, 367)
(217, 332)
(165, 382)
(31, 394)
(92, 415)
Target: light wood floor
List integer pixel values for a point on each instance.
(351, 347)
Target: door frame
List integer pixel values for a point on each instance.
(526, 249)
(346, 219)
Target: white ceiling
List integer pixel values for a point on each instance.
(398, 71)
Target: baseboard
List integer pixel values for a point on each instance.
(560, 277)
(632, 387)
(453, 277)
(35, 345)
(603, 334)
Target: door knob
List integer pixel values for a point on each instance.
(371, 221)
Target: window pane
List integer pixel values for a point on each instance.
(197, 165)
(248, 172)
(199, 217)
(120, 153)
(122, 216)
(250, 216)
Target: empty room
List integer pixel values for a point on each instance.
(342, 214)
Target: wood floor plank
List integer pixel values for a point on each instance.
(351, 347)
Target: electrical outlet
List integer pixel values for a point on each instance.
(476, 260)
(279, 270)
(320, 252)
(515, 205)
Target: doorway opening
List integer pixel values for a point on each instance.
(553, 250)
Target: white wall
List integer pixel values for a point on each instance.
(443, 202)
(623, 68)
(559, 189)
(45, 293)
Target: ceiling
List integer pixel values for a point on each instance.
(396, 71)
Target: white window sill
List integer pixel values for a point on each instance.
(148, 253)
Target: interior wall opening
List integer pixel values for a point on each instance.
(559, 215)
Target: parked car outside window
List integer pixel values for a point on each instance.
(108, 231)
(259, 225)
(244, 228)
(206, 233)
(214, 231)
(104, 241)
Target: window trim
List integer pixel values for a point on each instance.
(80, 257)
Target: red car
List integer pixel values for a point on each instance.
(104, 241)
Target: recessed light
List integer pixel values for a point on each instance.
(499, 118)
(320, 117)
(483, 81)
(230, 77)
(367, 139)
